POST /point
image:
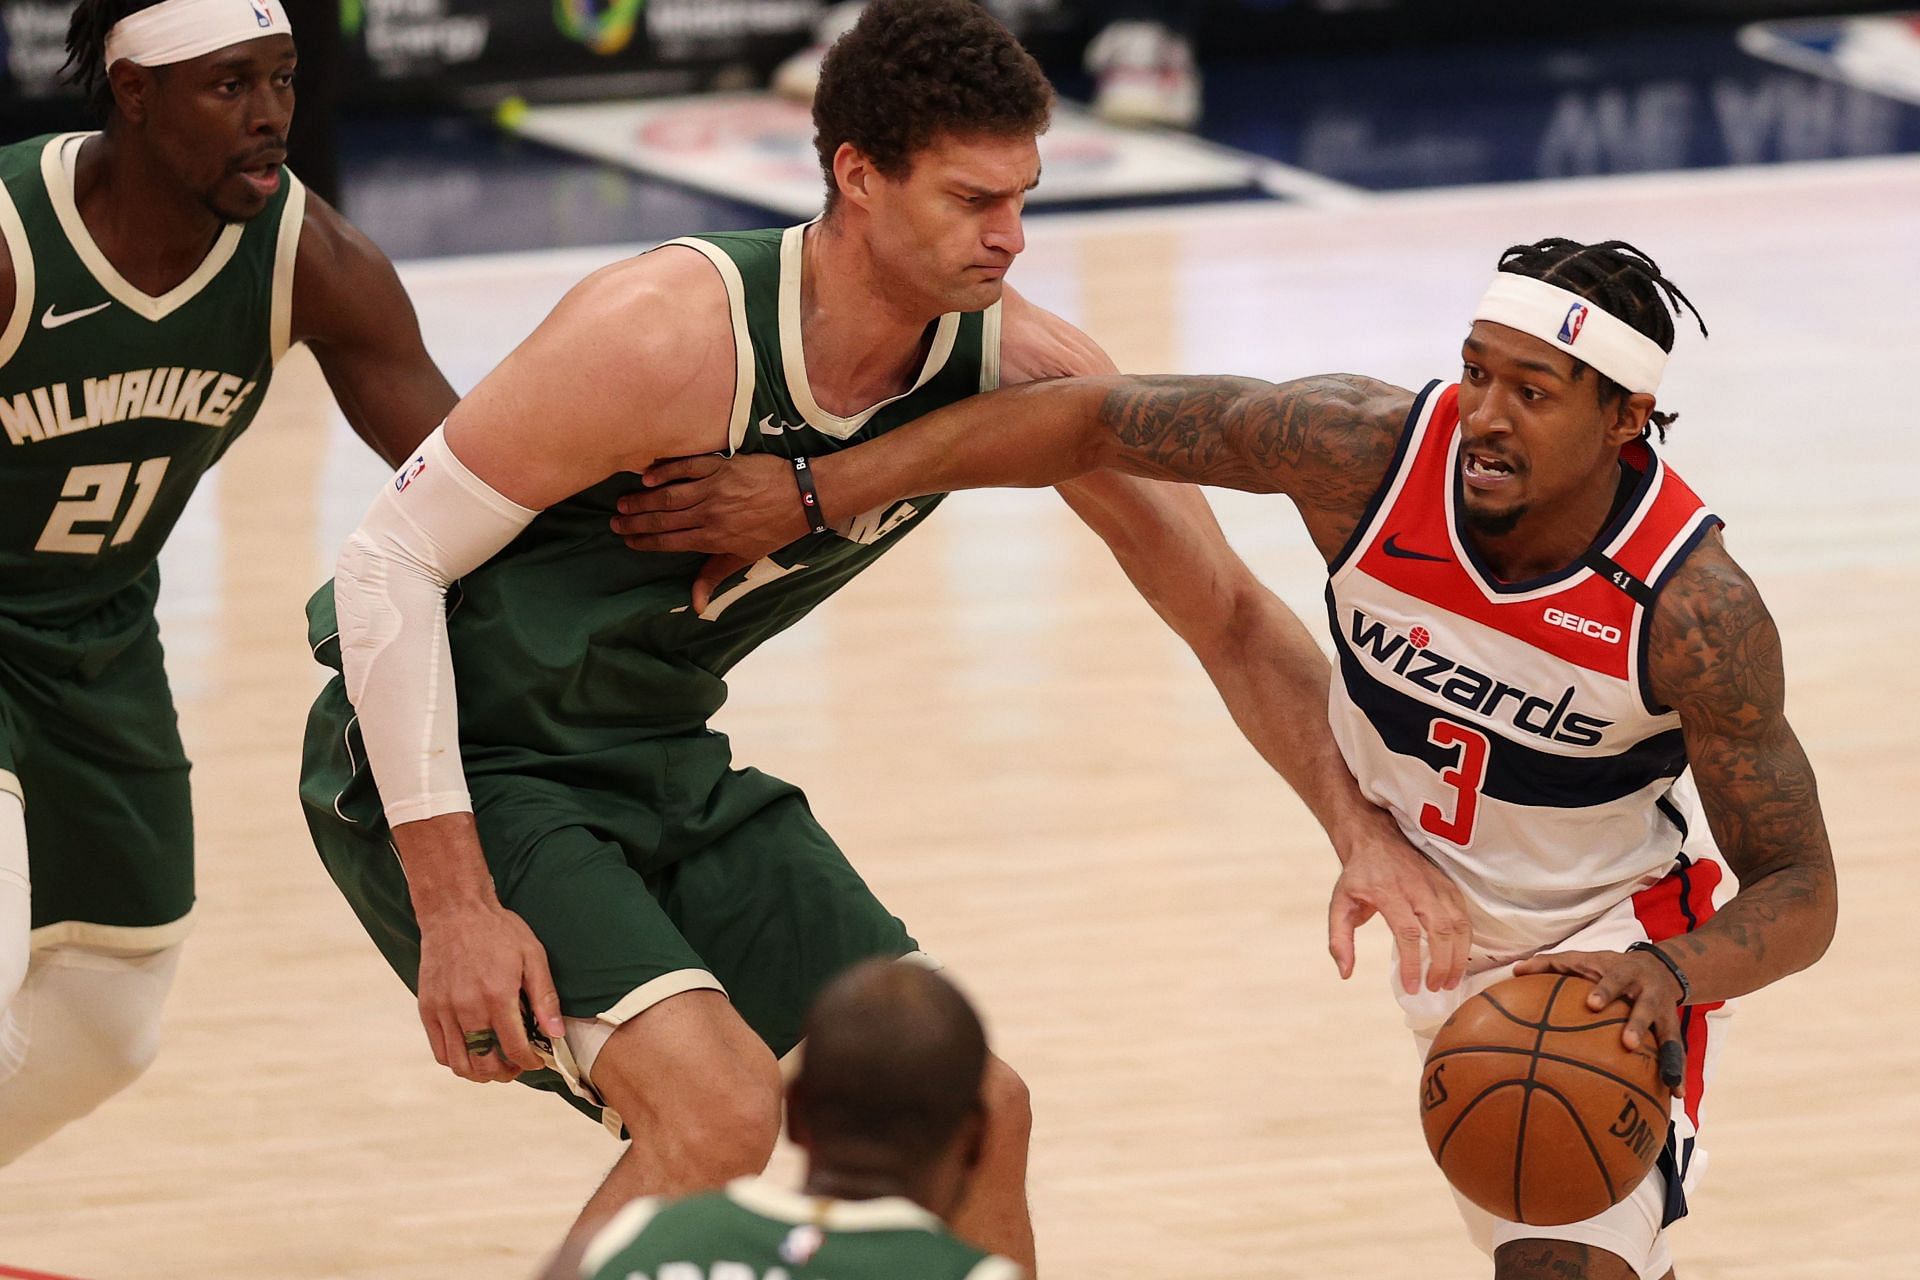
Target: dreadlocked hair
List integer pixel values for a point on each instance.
(86, 66)
(1618, 278)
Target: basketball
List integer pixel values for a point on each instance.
(1533, 1108)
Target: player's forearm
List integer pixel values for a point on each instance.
(445, 867)
(1274, 679)
(1043, 433)
(1777, 925)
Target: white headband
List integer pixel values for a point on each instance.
(1577, 326)
(177, 30)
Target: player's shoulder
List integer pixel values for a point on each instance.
(663, 317)
(341, 278)
(675, 274)
(1036, 344)
(1711, 635)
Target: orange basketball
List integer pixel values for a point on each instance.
(1533, 1108)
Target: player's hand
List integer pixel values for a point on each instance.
(746, 506)
(475, 961)
(1645, 984)
(1386, 876)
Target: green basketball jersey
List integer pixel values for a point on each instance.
(113, 402)
(757, 1231)
(568, 645)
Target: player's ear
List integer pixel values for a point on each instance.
(132, 86)
(853, 171)
(1630, 415)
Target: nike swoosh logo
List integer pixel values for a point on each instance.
(1393, 548)
(52, 321)
(768, 429)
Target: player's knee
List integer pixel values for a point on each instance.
(743, 1127)
(707, 1095)
(1008, 1101)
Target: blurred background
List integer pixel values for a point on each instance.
(434, 122)
(1025, 766)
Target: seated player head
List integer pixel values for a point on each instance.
(888, 1094)
(1560, 370)
(926, 123)
(203, 89)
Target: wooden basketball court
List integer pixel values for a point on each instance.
(1040, 780)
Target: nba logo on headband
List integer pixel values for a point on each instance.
(261, 13)
(1575, 321)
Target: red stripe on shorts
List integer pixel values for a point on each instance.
(1679, 903)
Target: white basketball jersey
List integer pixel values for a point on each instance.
(1510, 727)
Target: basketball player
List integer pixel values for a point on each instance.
(537, 755)
(1539, 632)
(151, 276)
(887, 1108)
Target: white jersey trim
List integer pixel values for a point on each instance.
(1393, 484)
(115, 939)
(621, 1230)
(793, 356)
(13, 239)
(743, 374)
(286, 256)
(990, 348)
(1664, 568)
(56, 170)
(887, 1213)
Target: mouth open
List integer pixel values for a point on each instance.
(1483, 471)
(263, 175)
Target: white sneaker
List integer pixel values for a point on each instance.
(799, 76)
(1146, 76)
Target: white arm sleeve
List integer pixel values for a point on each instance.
(434, 521)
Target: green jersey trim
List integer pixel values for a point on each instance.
(56, 169)
(621, 1230)
(286, 250)
(115, 939)
(889, 1213)
(13, 237)
(793, 356)
(743, 378)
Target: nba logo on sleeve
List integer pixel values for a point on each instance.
(1571, 326)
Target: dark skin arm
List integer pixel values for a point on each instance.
(1324, 442)
(352, 312)
(1715, 658)
(6, 286)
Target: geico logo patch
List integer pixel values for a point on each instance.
(1581, 626)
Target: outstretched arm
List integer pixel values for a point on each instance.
(1322, 441)
(1325, 440)
(1715, 658)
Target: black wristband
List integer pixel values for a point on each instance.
(1686, 988)
(809, 496)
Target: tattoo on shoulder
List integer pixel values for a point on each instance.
(1715, 649)
(1324, 441)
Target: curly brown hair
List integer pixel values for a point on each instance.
(912, 70)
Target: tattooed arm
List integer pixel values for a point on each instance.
(1715, 657)
(1325, 442)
